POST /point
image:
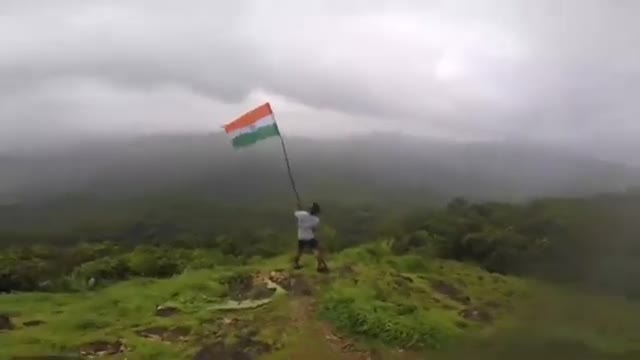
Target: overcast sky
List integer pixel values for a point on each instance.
(556, 71)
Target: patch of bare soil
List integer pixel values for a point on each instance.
(300, 286)
(237, 333)
(5, 323)
(252, 346)
(303, 317)
(346, 347)
(33, 323)
(102, 348)
(281, 278)
(164, 334)
(476, 314)
(241, 287)
(450, 291)
(221, 351)
(295, 284)
(260, 291)
(167, 311)
(402, 284)
(46, 357)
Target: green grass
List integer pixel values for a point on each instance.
(376, 299)
(384, 306)
(109, 314)
(391, 299)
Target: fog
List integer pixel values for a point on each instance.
(384, 167)
(561, 73)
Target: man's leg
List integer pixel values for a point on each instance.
(320, 259)
(296, 260)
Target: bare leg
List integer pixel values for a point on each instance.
(320, 256)
(296, 259)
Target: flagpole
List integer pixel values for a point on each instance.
(286, 160)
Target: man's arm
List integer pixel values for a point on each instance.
(299, 211)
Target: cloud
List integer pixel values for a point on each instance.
(554, 71)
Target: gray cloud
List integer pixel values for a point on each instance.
(560, 71)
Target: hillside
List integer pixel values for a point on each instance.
(381, 167)
(374, 305)
(180, 276)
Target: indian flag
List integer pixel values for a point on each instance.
(258, 124)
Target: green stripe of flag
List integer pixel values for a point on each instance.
(253, 137)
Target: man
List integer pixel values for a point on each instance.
(307, 225)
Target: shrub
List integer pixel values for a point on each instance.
(153, 262)
(397, 326)
(102, 269)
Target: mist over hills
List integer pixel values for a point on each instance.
(371, 166)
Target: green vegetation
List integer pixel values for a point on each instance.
(384, 302)
(552, 278)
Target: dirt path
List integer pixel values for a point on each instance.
(315, 339)
(318, 340)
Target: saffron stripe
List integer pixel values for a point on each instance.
(249, 118)
(265, 121)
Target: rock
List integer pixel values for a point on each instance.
(260, 292)
(251, 346)
(46, 357)
(476, 314)
(281, 278)
(33, 323)
(5, 323)
(161, 333)
(450, 291)
(166, 311)
(229, 321)
(102, 348)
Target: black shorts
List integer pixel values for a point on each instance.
(309, 245)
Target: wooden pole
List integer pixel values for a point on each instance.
(286, 160)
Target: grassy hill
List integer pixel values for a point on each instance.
(183, 277)
(372, 305)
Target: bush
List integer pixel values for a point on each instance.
(397, 326)
(105, 269)
(405, 244)
(204, 259)
(153, 262)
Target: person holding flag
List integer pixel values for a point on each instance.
(308, 222)
(259, 124)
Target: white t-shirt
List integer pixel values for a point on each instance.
(307, 224)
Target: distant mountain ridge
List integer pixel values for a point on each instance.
(374, 165)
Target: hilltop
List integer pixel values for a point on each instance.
(374, 305)
(191, 278)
